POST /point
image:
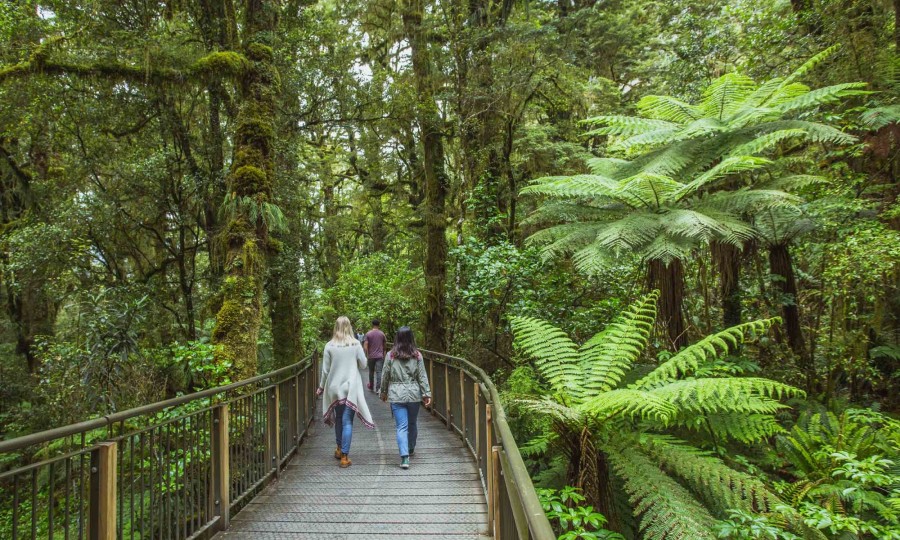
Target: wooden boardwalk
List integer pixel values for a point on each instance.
(440, 496)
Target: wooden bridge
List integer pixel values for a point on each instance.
(253, 460)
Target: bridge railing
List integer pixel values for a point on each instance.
(174, 469)
(467, 401)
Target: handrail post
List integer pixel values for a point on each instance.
(447, 407)
(477, 413)
(462, 405)
(273, 424)
(495, 496)
(102, 503)
(298, 420)
(431, 381)
(489, 476)
(220, 500)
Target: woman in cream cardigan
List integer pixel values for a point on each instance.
(343, 387)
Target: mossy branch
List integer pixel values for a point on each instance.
(214, 65)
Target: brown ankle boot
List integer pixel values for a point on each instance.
(337, 453)
(345, 461)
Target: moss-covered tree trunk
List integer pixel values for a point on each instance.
(249, 184)
(669, 279)
(436, 182)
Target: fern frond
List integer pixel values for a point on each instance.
(666, 510)
(720, 486)
(666, 248)
(747, 201)
(742, 427)
(791, 182)
(668, 109)
(810, 65)
(626, 126)
(579, 185)
(724, 95)
(879, 117)
(709, 348)
(815, 131)
(649, 138)
(728, 166)
(765, 142)
(822, 96)
(553, 409)
(629, 403)
(554, 355)
(748, 395)
(607, 167)
(708, 225)
(607, 357)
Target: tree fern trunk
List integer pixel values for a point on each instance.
(728, 263)
(589, 471)
(669, 279)
(782, 266)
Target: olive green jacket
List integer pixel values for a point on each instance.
(404, 380)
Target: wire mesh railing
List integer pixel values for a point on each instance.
(464, 397)
(175, 469)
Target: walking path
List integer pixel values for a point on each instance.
(440, 496)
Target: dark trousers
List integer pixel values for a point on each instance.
(375, 365)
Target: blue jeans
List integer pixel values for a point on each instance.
(343, 427)
(405, 416)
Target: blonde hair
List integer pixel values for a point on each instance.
(343, 332)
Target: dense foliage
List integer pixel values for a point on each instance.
(191, 191)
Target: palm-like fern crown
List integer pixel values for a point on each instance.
(632, 423)
(693, 170)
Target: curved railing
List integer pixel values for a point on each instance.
(174, 469)
(467, 401)
(180, 468)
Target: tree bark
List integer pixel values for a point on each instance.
(249, 184)
(728, 263)
(284, 310)
(782, 266)
(669, 279)
(436, 182)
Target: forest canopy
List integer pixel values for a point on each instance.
(669, 230)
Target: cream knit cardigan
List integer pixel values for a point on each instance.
(341, 382)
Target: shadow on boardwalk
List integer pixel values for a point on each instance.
(440, 496)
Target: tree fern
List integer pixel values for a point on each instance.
(675, 490)
(728, 143)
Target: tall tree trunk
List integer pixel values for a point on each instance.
(436, 182)
(669, 279)
(782, 266)
(284, 310)
(728, 263)
(28, 306)
(249, 184)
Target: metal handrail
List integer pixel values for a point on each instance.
(33, 439)
(522, 498)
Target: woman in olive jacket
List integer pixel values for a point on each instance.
(404, 383)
